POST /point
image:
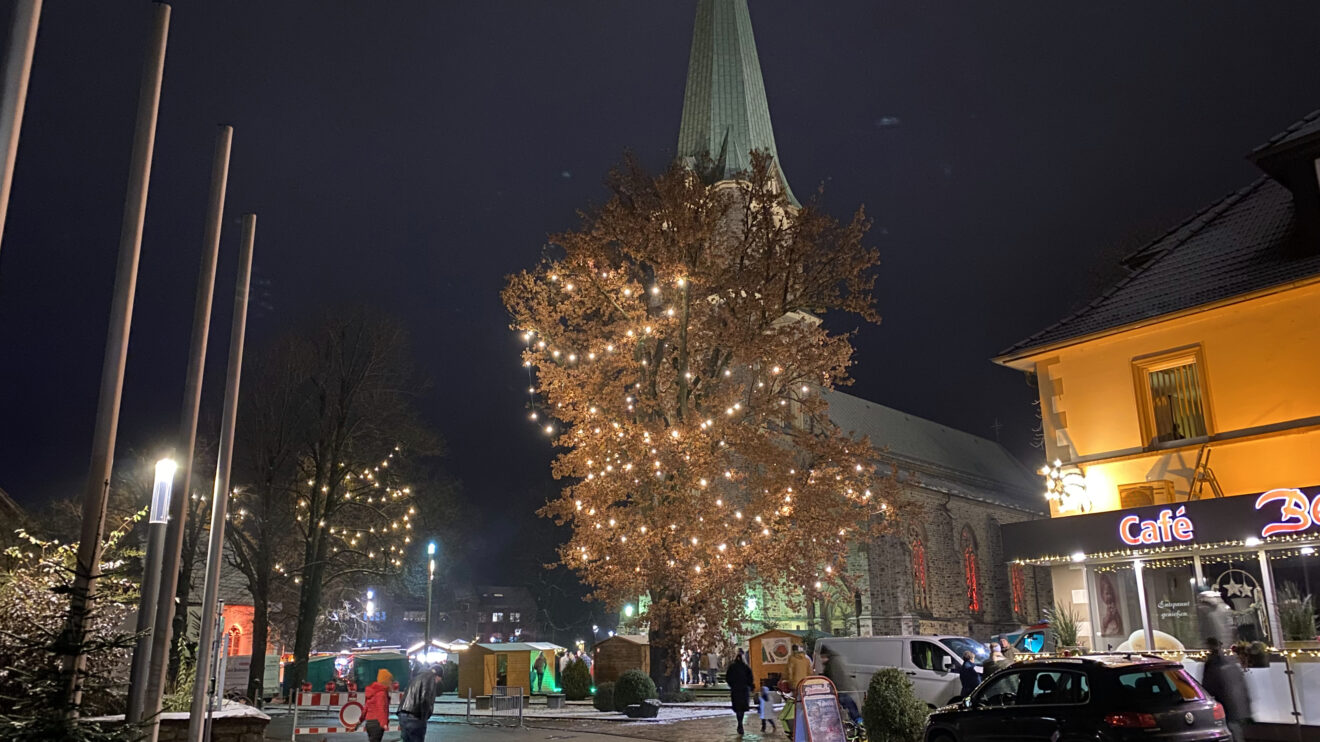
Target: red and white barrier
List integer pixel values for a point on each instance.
(351, 706)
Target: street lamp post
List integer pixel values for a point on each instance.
(371, 609)
(430, 591)
(158, 517)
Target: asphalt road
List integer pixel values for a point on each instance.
(280, 726)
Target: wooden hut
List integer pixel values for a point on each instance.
(620, 653)
(482, 667)
(768, 653)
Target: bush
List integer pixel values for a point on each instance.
(604, 698)
(576, 681)
(634, 686)
(892, 713)
(681, 695)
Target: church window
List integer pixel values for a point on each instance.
(1017, 577)
(971, 571)
(235, 641)
(920, 578)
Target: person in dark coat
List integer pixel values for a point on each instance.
(741, 684)
(1224, 680)
(968, 675)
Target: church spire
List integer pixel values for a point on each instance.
(725, 113)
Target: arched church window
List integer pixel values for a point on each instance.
(1017, 578)
(971, 571)
(235, 640)
(920, 575)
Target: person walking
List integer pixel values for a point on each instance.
(834, 667)
(416, 707)
(967, 674)
(1224, 680)
(765, 707)
(538, 673)
(799, 667)
(739, 678)
(377, 711)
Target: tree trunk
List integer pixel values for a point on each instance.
(181, 595)
(309, 608)
(260, 634)
(664, 659)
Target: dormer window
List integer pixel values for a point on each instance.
(1171, 396)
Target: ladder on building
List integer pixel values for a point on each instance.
(1203, 475)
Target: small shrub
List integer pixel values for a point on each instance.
(634, 686)
(682, 695)
(892, 713)
(604, 698)
(576, 681)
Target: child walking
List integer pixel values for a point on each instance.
(765, 706)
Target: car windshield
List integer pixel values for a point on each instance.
(1158, 688)
(960, 644)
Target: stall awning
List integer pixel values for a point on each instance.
(1276, 517)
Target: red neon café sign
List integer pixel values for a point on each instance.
(1295, 512)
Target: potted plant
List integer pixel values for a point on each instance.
(1297, 616)
(1063, 622)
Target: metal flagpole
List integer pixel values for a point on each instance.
(116, 352)
(220, 497)
(18, 66)
(162, 633)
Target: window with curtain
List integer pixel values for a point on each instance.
(971, 571)
(1175, 397)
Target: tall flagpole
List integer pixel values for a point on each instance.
(220, 497)
(162, 634)
(112, 371)
(18, 66)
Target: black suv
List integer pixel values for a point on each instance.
(1100, 697)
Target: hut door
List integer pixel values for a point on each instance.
(502, 669)
(488, 668)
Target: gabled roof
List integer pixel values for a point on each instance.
(917, 443)
(1303, 129)
(725, 112)
(1240, 245)
(520, 647)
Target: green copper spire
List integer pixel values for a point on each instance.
(725, 113)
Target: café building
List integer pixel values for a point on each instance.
(1181, 421)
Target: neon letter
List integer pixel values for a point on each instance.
(1293, 511)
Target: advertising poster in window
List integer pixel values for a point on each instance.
(775, 650)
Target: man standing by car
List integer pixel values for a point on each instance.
(1224, 680)
(1010, 654)
(416, 706)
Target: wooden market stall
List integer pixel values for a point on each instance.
(483, 667)
(768, 653)
(620, 653)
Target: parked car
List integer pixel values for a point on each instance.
(1032, 639)
(930, 662)
(1105, 698)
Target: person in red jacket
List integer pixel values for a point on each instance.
(377, 714)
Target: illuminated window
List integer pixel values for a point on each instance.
(515, 617)
(1017, 578)
(1171, 394)
(235, 640)
(496, 617)
(970, 571)
(920, 581)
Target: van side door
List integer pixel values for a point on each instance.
(931, 669)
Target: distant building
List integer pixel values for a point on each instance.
(1181, 420)
(493, 613)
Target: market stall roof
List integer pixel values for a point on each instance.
(520, 646)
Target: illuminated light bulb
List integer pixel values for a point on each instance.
(698, 568)
(670, 311)
(555, 353)
(858, 467)
(727, 372)
(775, 370)
(540, 344)
(655, 290)
(549, 429)
(591, 356)
(629, 333)
(527, 336)
(609, 348)
(729, 411)
(804, 389)
(568, 287)
(673, 433)
(765, 531)
(817, 584)
(719, 502)
(647, 329)
(531, 390)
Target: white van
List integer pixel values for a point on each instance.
(931, 662)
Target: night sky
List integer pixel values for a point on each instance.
(409, 155)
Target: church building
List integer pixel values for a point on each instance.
(943, 571)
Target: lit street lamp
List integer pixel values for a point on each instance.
(371, 610)
(158, 517)
(430, 590)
